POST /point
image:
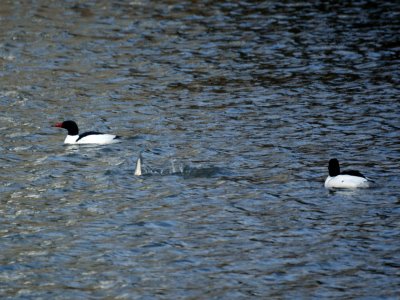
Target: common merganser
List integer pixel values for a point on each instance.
(90, 137)
(349, 179)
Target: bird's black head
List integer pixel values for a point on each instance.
(70, 126)
(334, 168)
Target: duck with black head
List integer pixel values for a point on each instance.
(90, 137)
(349, 179)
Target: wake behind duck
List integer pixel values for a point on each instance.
(174, 169)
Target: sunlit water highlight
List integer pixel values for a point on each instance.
(237, 108)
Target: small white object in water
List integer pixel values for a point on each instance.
(138, 168)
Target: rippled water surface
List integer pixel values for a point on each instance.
(236, 108)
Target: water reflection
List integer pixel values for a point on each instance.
(250, 98)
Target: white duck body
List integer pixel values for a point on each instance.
(102, 138)
(346, 182)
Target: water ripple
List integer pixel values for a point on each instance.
(237, 108)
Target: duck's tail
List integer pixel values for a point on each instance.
(138, 168)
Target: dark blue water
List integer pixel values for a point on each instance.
(237, 108)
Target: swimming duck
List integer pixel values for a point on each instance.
(349, 179)
(90, 137)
